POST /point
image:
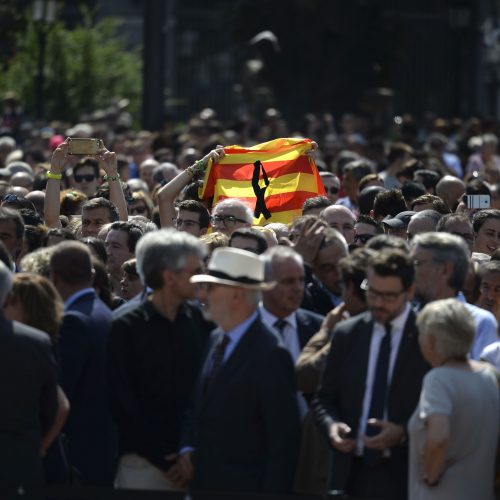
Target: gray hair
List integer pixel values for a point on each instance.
(164, 249)
(234, 202)
(446, 247)
(279, 253)
(451, 324)
(5, 282)
(428, 214)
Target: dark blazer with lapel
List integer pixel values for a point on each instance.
(340, 397)
(246, 429)
(308, 323)
(89, 428)
(28, 396)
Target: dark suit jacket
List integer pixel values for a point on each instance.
(89, 428)
(246, 430)
(340, 397)
(308, 323)
(316, 298)
(28, 395)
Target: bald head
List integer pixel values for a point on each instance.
(450, 189)
(341, 219)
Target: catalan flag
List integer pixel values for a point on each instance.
(274, 178)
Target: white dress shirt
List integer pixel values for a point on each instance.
(398, 324)
(290, 339)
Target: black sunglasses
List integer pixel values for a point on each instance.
(86, 178)
(332, 190)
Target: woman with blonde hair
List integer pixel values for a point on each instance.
(454, 430)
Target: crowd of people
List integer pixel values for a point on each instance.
(150, 340)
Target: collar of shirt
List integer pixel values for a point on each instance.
(398, 323)
(270, 318)
(236, 334)
(73, 298)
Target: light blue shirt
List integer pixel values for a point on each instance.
(236, 334)
(486, 327)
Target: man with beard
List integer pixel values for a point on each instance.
(441, 265)
(372, 383)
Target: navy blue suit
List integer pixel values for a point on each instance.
(89, 428)
(246, 429)
(28, 395)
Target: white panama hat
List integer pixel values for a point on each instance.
(235, 267)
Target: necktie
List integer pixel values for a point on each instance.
(217, 358)
(280, 325)
(379, 393)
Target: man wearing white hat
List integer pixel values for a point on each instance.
(244, 424)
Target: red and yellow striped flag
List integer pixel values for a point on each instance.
(273, 178)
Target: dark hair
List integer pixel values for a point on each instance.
(134, 233)
(30, 217)
(251, 234)
(71, 201)
(87, 162)
(437, 203)
(412, 190)
(385, 241)
(15, 217)
(366, 179)
(71, 262)
(315, 202)
(129, 267)
(429, 177)
(409, 168)
(394, 262)
(96, 247)
(95, 203)
(366, 198)
(199, 208)
(190, 192)
(359, 169)
(353, 269)
(389, 202)
(34, 236)
(482, 216)
(477, 186)
(398, 150)
(366, 219)
(102, 282)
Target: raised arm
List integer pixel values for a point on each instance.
(169, 192)
(108, 161)
(52, 203)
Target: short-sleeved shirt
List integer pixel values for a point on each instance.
(471, 401)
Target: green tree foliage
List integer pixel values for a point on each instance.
(86, 68)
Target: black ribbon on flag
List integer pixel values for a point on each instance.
(260, 203)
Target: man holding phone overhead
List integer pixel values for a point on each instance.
(85, 176)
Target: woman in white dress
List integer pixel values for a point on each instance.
(454, 430)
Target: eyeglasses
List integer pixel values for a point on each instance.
(332, 190)
(363, 238)
(187, 223)
(372, 294)
(227, 220)
(86, 178)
